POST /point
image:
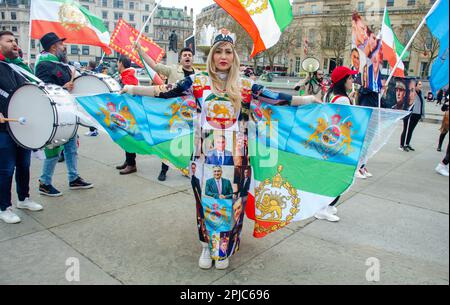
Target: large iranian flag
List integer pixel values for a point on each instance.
(302, 160)
(264, 20)
(68, 19)
(392, 48)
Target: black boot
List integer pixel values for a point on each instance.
(162, 176)
(122, 167)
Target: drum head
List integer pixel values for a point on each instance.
(87, 85)
(31, 103)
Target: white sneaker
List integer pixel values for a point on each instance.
(222, 265)
(442, 170)
(332, 210)
(360, 175)
(9, 216)
(367, 173)
(324, 215)
(30, 205)
(205, 261)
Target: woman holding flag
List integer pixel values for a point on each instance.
(223, 103)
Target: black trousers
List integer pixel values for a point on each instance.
(441, 139)
(335, 201)
(447, 157)
(130, 159)
(409, 124)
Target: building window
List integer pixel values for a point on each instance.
(85, 50)
(147, 7)
(144, 18)
(361, 6)
(105, 15)
(298, 64)
(33, 43)
(104, 3)
(146, 29)
(131, 6)
(106, 23)
(314, 9)
(74, 50)
(14, 29)
(390, 2)
(118, 3)
(411, 2)
(118, 16)
(13, 16)
(3, 15)
(131, 17)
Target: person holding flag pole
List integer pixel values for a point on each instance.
(173, 73)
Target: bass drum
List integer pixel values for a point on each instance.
(94, 84)
(49, 114)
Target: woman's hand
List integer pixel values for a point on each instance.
(317, 100)
(2, 119)
(125, 89)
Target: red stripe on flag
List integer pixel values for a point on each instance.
(238, 12)
(390, 55)
(85, 35)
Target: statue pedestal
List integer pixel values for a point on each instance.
(172, 58)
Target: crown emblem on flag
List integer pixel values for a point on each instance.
(254, 7)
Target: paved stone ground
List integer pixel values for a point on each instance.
(135, 230)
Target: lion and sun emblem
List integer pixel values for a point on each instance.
(71, 17)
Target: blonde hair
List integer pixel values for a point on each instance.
(233, 84)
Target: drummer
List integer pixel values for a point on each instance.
(52, 68)
(13, 157)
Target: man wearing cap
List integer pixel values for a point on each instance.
(174, 73)
(400, 93)
(12, 157)
(52, 68)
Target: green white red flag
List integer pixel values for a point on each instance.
(68, 19)
(264, 20)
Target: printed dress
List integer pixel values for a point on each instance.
(220, 169)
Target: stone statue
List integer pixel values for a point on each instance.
(173, 42)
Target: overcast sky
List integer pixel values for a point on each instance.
(197, 5)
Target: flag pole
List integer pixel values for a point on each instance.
(381, 93)
(148, 20)
(29, 38)
(411, 41)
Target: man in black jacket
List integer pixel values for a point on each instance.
(12, 157)
(52, 68)
(244, 185)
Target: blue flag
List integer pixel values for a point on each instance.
(437, 21)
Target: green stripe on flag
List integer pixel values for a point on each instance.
(162, 150)
(94, 20)
(282, 10)
(305, 174)
(398, 45)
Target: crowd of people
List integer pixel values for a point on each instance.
(229, 174)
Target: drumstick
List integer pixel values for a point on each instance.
(21, 120)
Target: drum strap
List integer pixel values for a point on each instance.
(25, 73)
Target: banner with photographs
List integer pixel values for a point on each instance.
(366, 56)
(401, 94)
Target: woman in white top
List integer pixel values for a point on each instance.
(342, 82)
